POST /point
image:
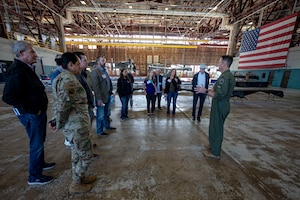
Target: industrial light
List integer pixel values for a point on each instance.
(83, 2)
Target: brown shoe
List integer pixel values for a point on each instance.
(207, 147)
(210, 155)
(95, 156)
(88, 179)
(77, 188)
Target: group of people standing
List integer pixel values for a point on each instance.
(72, 110)
(74, 102)
(155, 85)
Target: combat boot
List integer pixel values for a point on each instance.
(77, 187)
(88, 179)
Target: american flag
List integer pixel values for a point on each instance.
(267, 46)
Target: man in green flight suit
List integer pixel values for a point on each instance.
(220, 108)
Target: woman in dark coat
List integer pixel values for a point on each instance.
(124, 89)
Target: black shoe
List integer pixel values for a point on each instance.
(198, 119)
(41, 180)
(103, 133)
(48, 166)
(112, 128)
(193, 119)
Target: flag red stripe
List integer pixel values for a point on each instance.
(278, 28)
(264, 53)
(280, 20)
(274, 44)
(264, 66)
(263, 59)
(276, 36)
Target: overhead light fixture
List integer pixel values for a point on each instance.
(130, 7)
(166, 8)
(96, 17)
(83, 2)
(115, 10)
(213, 8)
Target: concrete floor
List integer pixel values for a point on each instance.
(160, 157)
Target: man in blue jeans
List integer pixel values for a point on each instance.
(26, 93)
(102, 87)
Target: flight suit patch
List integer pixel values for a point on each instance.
(221, 82)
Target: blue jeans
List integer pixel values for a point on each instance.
(195, 101)
(36, 130)
(124, 110)
(103, 121)
(171, 95)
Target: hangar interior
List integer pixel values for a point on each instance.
(160, 157)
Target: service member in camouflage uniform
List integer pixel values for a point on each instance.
(221, 94)
(70, 113)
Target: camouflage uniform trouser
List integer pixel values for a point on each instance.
(81, 152)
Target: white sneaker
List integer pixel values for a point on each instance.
(67, 143)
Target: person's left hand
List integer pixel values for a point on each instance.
(53, 128)
(200, 90)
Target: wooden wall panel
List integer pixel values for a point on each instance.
(207, 55)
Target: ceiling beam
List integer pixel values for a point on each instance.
(143, 12)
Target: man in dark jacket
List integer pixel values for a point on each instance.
(102, 87)
(200, 79)
(26, 93)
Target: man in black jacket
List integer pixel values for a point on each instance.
(26, 93)
(200, 79)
